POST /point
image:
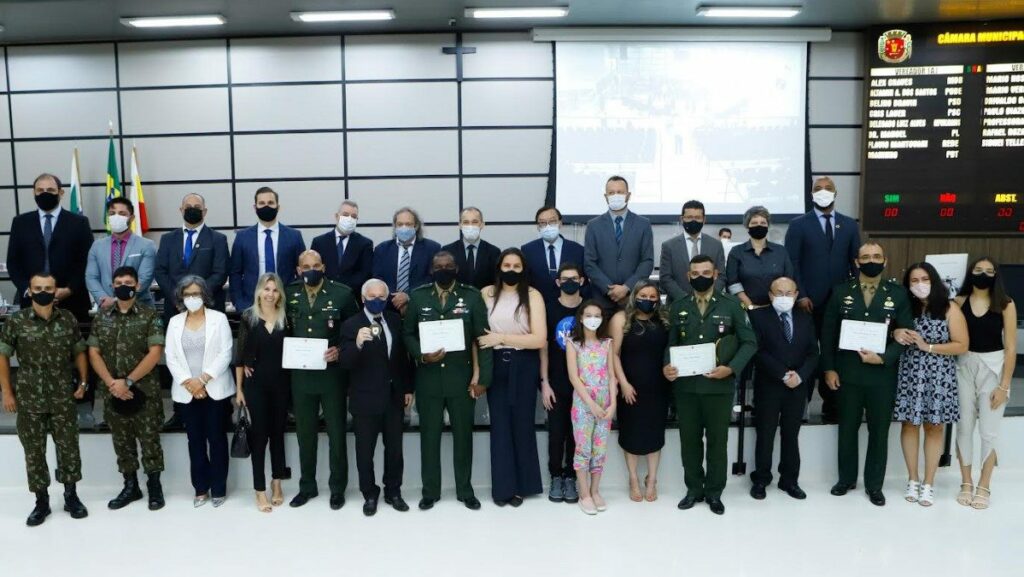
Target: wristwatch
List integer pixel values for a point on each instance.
(128, 382)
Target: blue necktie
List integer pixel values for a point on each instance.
(341, 250)
(403, 270)
(268, 253)
(618, 229)
(787, 328)
(552, 263)
(47, 237)
(188, 247)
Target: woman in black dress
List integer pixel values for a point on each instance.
(263, 386)
(640, 334)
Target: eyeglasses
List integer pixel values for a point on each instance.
(547, 222)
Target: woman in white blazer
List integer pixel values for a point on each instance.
(198, 349)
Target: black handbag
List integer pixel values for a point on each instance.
(240, 440)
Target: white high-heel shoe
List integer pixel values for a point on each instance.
(913, 491)
(927, 496)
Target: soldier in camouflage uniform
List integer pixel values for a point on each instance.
(46, 340)
(124, 348)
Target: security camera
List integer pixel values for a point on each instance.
(451, 22)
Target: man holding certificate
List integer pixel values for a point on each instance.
(860, 358)
(450, 372)
(316, 307)
(710, 341)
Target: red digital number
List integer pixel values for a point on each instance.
(1004, 212)
(946, 212)
(891, 212)
(1020, 227)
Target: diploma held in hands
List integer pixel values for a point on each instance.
(857, 335)
(448, 334)
(693, 359)
(307, 354)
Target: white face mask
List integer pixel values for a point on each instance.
(346, 224)
(550, 232)
(921, 290)
(616, 202)
(471, 233)
(118, 223)
(783, 304)
(823, 198)
(592, 323)
(193, 303)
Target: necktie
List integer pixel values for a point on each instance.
(702, 305)
(47, 237)
(552, 263)
(869, 293)
(270, 263)
(188, 247)
(829, 236)
(787, 328)
(471, 259)
(403, 271)
(115, 257)
(379, 324)
(341, 250)
(618, 229)
(693, 246)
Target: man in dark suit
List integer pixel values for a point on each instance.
(404, 262)
(786, 359)
(823, 246)
(380, 388)
(192, 249)
(676, 252)
(54, 240)
(476, 258)
(618, 248)
(265, 247)
(347, 254)
(545, 255)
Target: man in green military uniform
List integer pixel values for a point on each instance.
(704, 402)
(46, 341)
(316, 306)
(866, 380)
(125, 345)
(447, 379)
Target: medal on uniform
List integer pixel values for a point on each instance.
(330, 323)
(721, 327)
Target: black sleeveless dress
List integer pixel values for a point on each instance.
(642, 425)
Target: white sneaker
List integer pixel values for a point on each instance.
(913, 491)
(927, 496)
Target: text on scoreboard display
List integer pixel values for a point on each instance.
(944, 129)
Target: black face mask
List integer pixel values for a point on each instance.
(43, 298)
(693, 226)
(872, 269)
(758, 232)
(193, 215)
(266, 213)
(312, 277)
(47, 201)
(570, 287)
(124, 292)
(646, 306)
(444, 277)
(982, 281)
(511, 277)
(702, 283)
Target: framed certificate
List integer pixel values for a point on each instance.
(857, 335)
(449, 335)
(693, 359)
(305, 354)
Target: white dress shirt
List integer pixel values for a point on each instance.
(261, 240)
(53, 221)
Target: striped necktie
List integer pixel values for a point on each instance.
(618, 229)
(403, 271)
(787, 327)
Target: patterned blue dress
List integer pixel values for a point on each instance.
(926, 388)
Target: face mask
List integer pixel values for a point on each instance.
(783, 304)
(872, 269)
(921, 290)
(702, 283)
(471, 234)
(376, 306)
(312, 277)
(646, 306)
(43, 298)
(823, 198)
(124, 292)
(405, 234)
(983, 281)
(47, 201)
(346, 224)
(193, 303)
(570, 287)
(193, 215)
(757, 232)
(118, 223)
(266, 213)
(444, 277)
(511, 277)
(693, 226)
(592, 323)
(550, 232)
(617, 202)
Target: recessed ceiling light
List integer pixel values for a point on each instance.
(539, 12)
(344, 16)
(748, 11)
(174, 21)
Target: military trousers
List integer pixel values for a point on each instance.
(141, 430)
(62, 425)
(308, 399)
(704, 417)
(875, 402)
(460, 411)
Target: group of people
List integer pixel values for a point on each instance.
(581, 326)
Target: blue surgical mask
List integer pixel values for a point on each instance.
(550, 232)
(376, 306)
(405, 233)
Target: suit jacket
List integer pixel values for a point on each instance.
(486, 263)
(819, 267)
(674, 269)
(775, 355)
(245, 261)
(385, 263)
(217, 355)
(69, 252)
(356, 266)
(376, 378)
(139, 253)
(536, 253)
(209, 260)
(608, 262)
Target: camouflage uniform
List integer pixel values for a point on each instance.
(123, 340)
(43, 390)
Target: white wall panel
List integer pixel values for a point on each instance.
(182, 158)
(175, 111)
(506, 151)
(507, 55)
(63, 114)
(314, 58)
(289, 155)
(842, 56)
(61, 66)
(836, 101)
(54, 156)
(405, 105)
(435, 199)
(401, 153)
(397, 57)
(835, 149)
(287, 107)
(505, 199)
(500, 103)
(185, 62)
(302, 202)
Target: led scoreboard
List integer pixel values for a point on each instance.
(944, 129)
